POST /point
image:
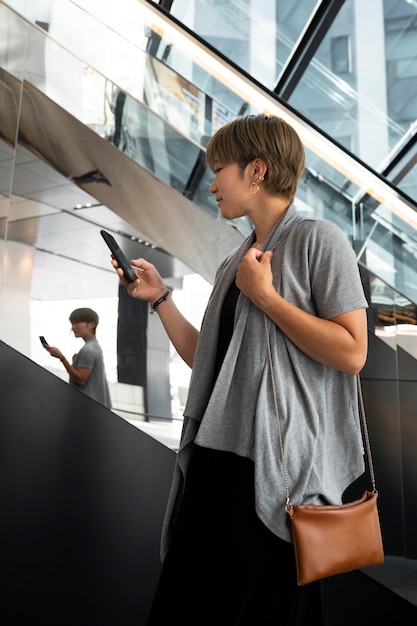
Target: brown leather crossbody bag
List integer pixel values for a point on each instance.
(332, 539)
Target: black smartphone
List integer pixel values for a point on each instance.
(119, 255)
(43, 340)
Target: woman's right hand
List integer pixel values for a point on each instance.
(55, 352)
(148, 286)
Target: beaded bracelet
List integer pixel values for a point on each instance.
(156, 304)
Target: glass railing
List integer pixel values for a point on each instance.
(392, 317)
(161, 118)
(359, 88)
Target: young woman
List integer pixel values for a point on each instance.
(226, 546)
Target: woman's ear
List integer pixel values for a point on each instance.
(259, 168)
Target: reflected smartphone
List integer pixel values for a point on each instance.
(119, 255)
(43, 340)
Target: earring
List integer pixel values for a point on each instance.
(254, 186)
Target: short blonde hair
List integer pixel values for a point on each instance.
(84, 315)
(266, 137)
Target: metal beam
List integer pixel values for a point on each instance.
(403, 162)
(306, 46)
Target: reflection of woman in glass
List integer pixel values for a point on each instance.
(87, 370)
(227, 552)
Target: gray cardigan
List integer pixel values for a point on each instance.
(315, 268)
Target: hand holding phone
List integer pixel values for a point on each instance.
(119, 255)
(43, 340)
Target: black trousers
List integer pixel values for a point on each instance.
(224, 567)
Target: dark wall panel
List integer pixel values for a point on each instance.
(408, 410)
(389, 382)
(131, 339)
(82, 499)
(143, 354)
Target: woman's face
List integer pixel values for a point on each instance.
(85, 330)
(232, 190)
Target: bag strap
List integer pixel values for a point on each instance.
(365, 433)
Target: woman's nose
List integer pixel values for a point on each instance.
(213, 187)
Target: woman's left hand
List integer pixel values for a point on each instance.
(254, 276)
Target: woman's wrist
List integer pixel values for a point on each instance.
(154, 305)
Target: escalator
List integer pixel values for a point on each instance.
(136, 145)
(161, 120)
(143, 156)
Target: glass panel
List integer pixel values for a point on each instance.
(389, 246)
(162, 128)
(361, 86)
(162, 119)
(7, 155)
(12, 266)
(235, 29)
(347, 62)
(394, 316)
